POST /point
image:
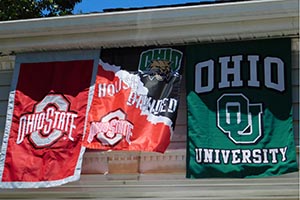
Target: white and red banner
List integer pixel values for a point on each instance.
(63, 102)
(123, 116)
(46, 118)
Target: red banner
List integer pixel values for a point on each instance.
(43, 141)
(124, 117)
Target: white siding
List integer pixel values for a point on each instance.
(165, 186)
(6, 71)
(295, 86)
(179, 137)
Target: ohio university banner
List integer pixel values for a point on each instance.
(135, 110)
(46, 119)
(240, 109)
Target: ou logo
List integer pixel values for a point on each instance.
(238, 119)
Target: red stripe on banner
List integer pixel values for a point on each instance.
(48, 121)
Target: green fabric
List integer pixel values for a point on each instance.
(240, 115)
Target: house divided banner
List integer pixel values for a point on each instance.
(135, 110)
(46, 117)
(239, 103)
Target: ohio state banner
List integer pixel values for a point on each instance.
(136, 110)
(46, 117)
(240, 109)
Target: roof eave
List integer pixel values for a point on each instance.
(180, 25)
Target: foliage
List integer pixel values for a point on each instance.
(25, 9)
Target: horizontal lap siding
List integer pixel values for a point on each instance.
(295, 87)
(178, 140)
(6, 71)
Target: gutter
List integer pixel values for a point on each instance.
(159, 26)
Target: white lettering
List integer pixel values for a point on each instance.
(246, 154)
(200, 87)
(154, 106)
(235, 71)
(253, 59)
(240, 156)
(283, 153)
(225, 155)
(256, 153)
(235, 158)
(273, 153)
(45, 122)
(278, 64)
(231, 73)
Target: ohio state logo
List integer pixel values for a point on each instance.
(111, 128)
(48, 122)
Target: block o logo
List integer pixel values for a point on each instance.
(50, 120)
(111, 128)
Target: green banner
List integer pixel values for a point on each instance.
(240, 109)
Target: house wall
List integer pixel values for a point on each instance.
(295, 87)
(140, 162)
(6, 71)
